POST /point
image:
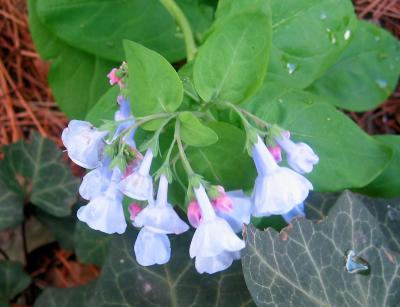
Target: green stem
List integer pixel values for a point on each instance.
(183, 23)
(182, 154)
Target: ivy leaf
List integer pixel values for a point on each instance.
(308, 36)
(123, 282)
(304, 264)
(56, 297)
(13, 280)
(194, 133)
(231, 64)
(387, 184)
(154, 85)
(386, 212)
(366, 73)
(11, 207)
(35, 170)
(91, 246)
(349, 158)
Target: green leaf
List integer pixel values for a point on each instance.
(387, 184)
(123, 282)
(194, 133)
(366, 73)
(349, 158)
(56, 297)
(307, 261)
(154, 85)
(13, 280)
(99, 27)
(223, 161)
(104, 108)
(232, 63)
(91, 246)
(35, 170)
(308, 36)
(77, 78)
(11, 207)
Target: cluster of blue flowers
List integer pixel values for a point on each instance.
(218, 216)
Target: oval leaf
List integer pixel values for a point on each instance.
(232, 63)
(366, 73)
(194, 133)
(154, 85)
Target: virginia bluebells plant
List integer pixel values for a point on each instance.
(121, 173)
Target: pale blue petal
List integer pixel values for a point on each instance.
(95, 182)
(215, 264)
(297, 211)
(152, 248)
(137, 186)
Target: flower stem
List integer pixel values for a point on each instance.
(182, 154)
(181, 20)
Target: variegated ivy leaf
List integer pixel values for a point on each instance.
(304, 264)
(33, 172)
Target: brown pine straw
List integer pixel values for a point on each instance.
(26, 102)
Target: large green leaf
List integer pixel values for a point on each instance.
(13, 280)
(304, 264)
(91, 246)
(35, 170)
(77, 78)
(154, 85)
(105, 107)
(98, 27)
(307, 38)
(366, 73)
(232, 63)
(387, 184)
(349, 158)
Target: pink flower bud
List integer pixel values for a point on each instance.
(134, 210)
(276, 153)
(112, 76)
(222, 202)
(194, 214)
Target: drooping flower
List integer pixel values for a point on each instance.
(105, 212)
(126, 118)
(157, 219)
(297, 211)
(139, 185)
(152, 247)
(96, 181)
(160, 216)
(300, 156)
(239, 214)
(212, 239)
(277, 190)
(84, 143)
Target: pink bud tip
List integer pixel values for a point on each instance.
(222, 202)
(194, 214)
(276, 152)
(134, 210)
(112, 76)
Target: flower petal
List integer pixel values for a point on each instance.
(152, 248)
